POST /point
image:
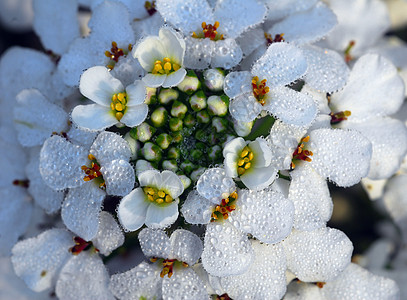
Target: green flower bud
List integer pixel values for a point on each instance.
(151, 97)
(197, 173)
(170, 165)
(214, 79)
(196, 155)
(198, 101)
(242, 128)
(186, 182)
(174, 153)
(163, 140)
(215, 152)
(133, 144)
(159, 116)
(188, 166)
(190, 83)
(219, 124)
(175, 124)
(189, 120)
(167, 95)
(217, 106)
(142, 132)
(179, 109)
(177, 137)
(203, 117)
(151, 152)
(201, 135)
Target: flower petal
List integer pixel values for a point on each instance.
(174, 78)
(148, 51)
(173, 44)
(171, 182)
(185, 246)
(109, 146)
(237, 83)
(214, 183)
(262, 153)
(196, 209)
(136, 93)
(93, 117)
(226, 54)
(132, 210)
(245, 107)
(154, 80)
(135, 115)
(259, 178)
(184, 284)
(199, 53)
(109, 236)
(155, 243)
(119, 177)
(162, 216)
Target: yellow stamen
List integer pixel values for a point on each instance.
(244, 162)
(118, 105)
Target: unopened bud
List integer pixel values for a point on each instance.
(175, 124)
(151, 97)
(242, 128)
(219, 124)
(174, 153)
(203, 117)
(133, 144)
(186, 182)
(189, 120)
(215, 152)
(151, 152)
(163, 140)
(197, 173)
(218, 106)
(214, 79)
(167, 95)
(190, 83)
(188, 166)
(178, 109)
(159, 116)
(198, 101)
(142, 132)
(170, 165)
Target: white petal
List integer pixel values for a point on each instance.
(250, 40)
(109, 236)
(383, 91)
(245, 107)
(308, 26)
(135, 115)
(267, 215)
(249, 13)
(185, 246)
(281, 9)
(93, 117)
(148, 51)
(174, 78)
(136, 93)
(119, 177)
(38, 260)
(184, 284)
(227, 251)
(327, 71)
(291, 107)
(171, 182)
(82, 276)
(141, 281)
(237, 83)
(185, 15)
(155, 243)
(154, 80)
(132, 210)
(310, 195)
(173, 44)
(81, 137)
(109, 146)
(162, 216)
(259, 178)
(81, 208)
(60, 163)
(196, 209)
(319, 255)
(282, 64)
(226, 54)
(230, 164)
(234, 146)
(214, 183)
(150, 178)
(262, 153)
(199, 53)
(99, 85)
(343, 156)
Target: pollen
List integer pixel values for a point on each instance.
(168, 265)
(158, 196)
(115, 53)
(300, 153)
(260, 90)
(244, 161)
(119, 105)
(209, 31)
(93, 172)
(166, 66)
(277, 38)
(339, 116)
(226, 206)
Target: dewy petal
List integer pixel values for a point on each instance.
(226, 54)
(83, 275)
(318, 255)
(282, 64)
(186, 246)
(132, 210)
(281, 9)
(136, 93)
(119, 177)
(389, 144)
(259, 178)
(237, 83)
(154, 80)
(171, 183)
(262, 153)
(230, 164)
(245, 107)
(249, 13)
(81, 208)
(141, 281)
(382, 93)
(150, 178)
(234, 146)
(174, 78)
(155, 243)
(162, 216)
(259, 282)
(267, 215)
(184, 284)
(135, 115)
(327, 71)
(227, 251)
(148, 51)
(93, 117)
(173, 44)
(60, 163)
(214, 183)
(38, 260)
(343, 156)
(33, 122)
(185, 15)
(99, 85)
(109, 146)
(109, 236)
(310, 195)
(306, 27)
(199, 53)
(197, 209)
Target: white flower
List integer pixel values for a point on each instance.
(162, 57)
(154, 203)
(250, 161)
(113, 104)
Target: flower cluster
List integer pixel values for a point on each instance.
(204, 133)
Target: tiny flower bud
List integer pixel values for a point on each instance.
(170, 165)
(151, 152)
(143, 132)
(159, 116)
(164, 140)
(175, 124)
(177, 137)
(167, 95)
(174, 153)
(133, 144)
(203, 117)
(197, 173)
(188, 166)
(189, 120)
(198, 101)
(151, 97)
(190, 83)
(215, 152)
(185, 181)
(242, 128)
(218, 105)
(219, 124)
(179, 109)
(214, 79)
(196, 155)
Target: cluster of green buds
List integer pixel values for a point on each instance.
(187, 125)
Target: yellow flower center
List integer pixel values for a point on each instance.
(158, 196)
(226, 206)
(168, 265)
(115, 53)
(339, 116)
(245, 160)
(300, 153)
(166, 66)
(209, 31)
(260, 89)
(119, 105)
(93, 172)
